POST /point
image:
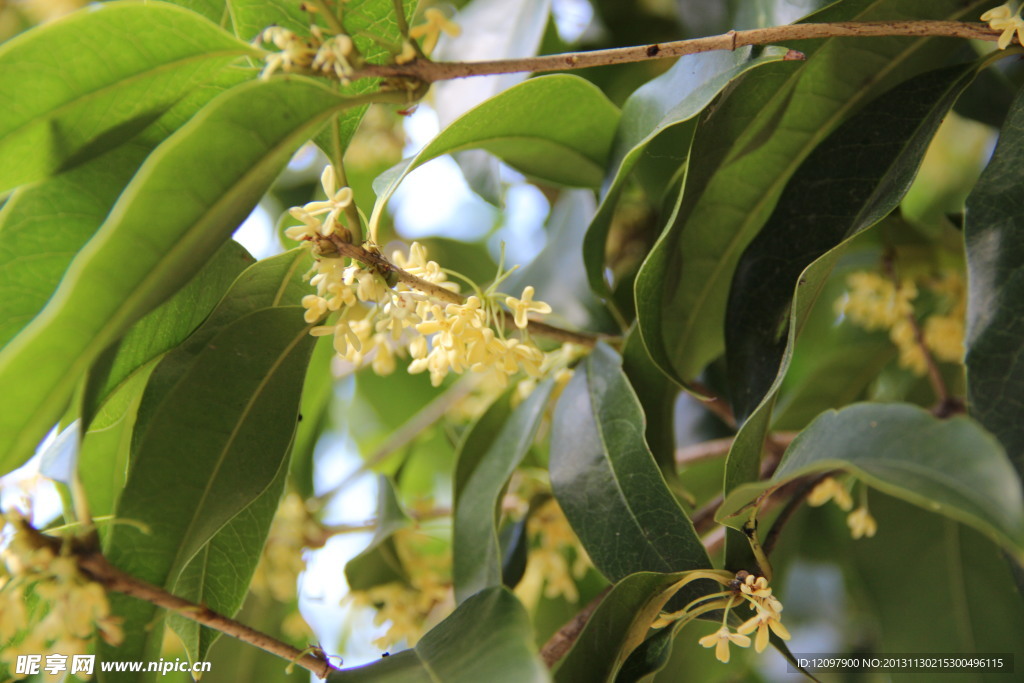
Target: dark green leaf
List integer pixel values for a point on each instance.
(219, 575)
(81, 85)
(618, 625)
(182, 205)
(607, 482)
(477, 562)
(971, 604)
(674, 98)
(951, 467)
(314, 414)
(995, 308)
(487, 638)
(744, 153)
(215, 435)
(856, 177)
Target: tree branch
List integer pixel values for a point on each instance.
(113, 579)
(385, 267)
(429, 72)
(562, 641)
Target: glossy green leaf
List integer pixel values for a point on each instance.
(618, 625)
(219, 575)
(180, 207)
(855, 178)
(487, 638)
(252, 16)
(669, 101)
(379, 562)
(744, 154)
(44, 224)
(487, 459)
(314, 414)
(606, 480)
(979, 610)
(951, 467)
(81, 85)
(214, 10)
(995, 308)
(558, 128)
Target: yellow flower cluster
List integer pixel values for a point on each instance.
(860, 521)
(754, 590)
(409, 609)
(292, 530)
(875, 302)
(547, 566)
(70, 608)
(379, 321)
(333, 56)
(1006, 18)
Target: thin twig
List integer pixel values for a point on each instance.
(429, 72)
(383, 266)
(113, 579)
(562, 641)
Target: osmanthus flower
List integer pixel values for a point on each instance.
(830, 489)
(71, 608)
(861, 523)
(522, 306)
(876, 302)
(435, 23)
(1006, 18)
(720, 640)
(296, 52)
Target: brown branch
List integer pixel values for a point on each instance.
(113, 579)
(564, 638)
(383, 266)
(429, 72)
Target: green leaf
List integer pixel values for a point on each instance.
(995, 307)
(606, 480)
(314, 415)
(379, 563)
(488, 457)
(83, 84)
(558, 128)
(43, 225)
(979, 610)
(219, 575)
(165, 327)
(106, 447)
(618, 625)
(214, 432)
(855, 178)
(951, 467)
(185, 201)
(487, 638)
(743, 155)
(669, 101)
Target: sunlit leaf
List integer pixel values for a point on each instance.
(79, 86)
(182, 205)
